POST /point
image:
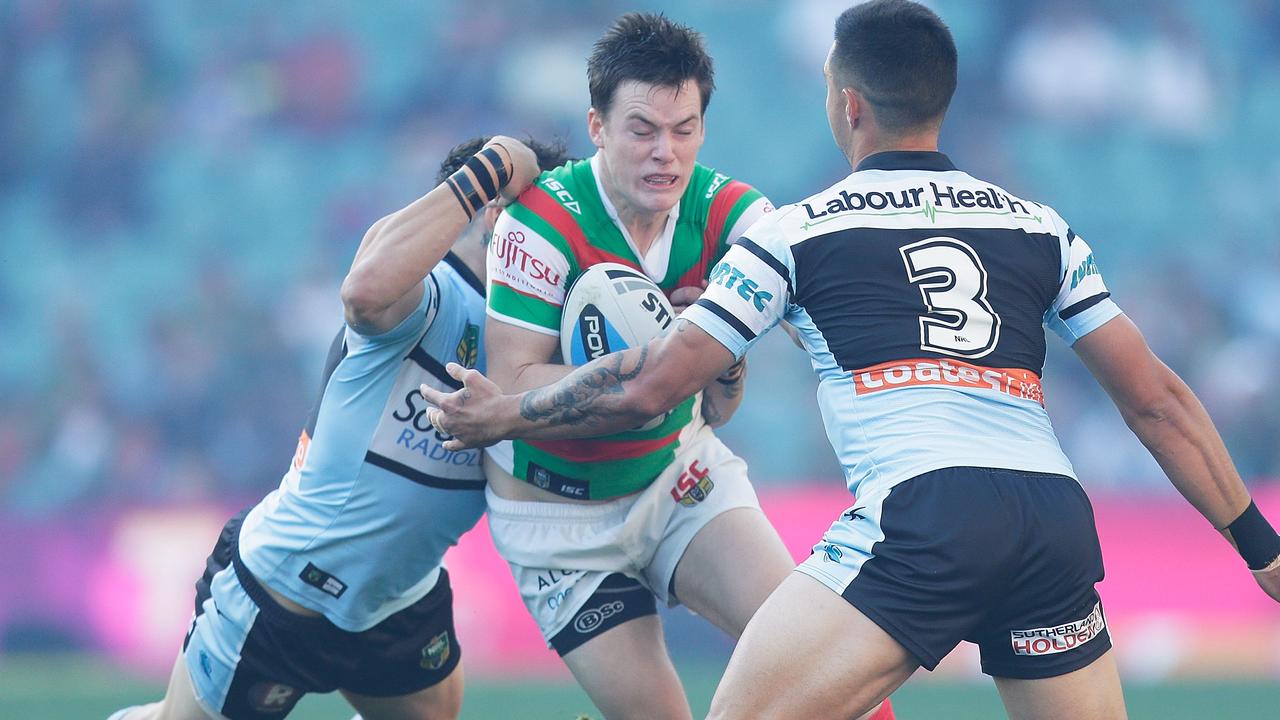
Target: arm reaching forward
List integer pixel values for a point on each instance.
(615, 392)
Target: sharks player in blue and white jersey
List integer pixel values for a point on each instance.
(335, 580)
(920, 294)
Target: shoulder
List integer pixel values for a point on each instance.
(708, 186)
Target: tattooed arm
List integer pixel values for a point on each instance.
(615, 392)
(720, 399)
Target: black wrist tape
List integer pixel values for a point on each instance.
(1256, 541)
(465, 190)
(484, 176)
(499, 167)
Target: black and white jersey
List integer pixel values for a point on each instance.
(920, 294)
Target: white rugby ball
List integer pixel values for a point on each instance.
(612, 307)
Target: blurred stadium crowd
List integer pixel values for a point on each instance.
(182, 186)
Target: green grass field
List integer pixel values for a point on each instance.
(75, 688)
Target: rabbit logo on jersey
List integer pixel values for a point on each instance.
(1052, 640)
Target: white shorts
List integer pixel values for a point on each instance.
(560, 553)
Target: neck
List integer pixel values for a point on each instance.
(642, 225)
(872, 143)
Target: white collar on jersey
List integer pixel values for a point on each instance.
(654, 263)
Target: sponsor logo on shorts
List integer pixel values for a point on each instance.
(693, 485)
(1053, 640)
(1017, 382)
(590, 619)
(271, 697)
(832, 553)
(436, 653)
(551, 577)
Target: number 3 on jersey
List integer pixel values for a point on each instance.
(953, 283)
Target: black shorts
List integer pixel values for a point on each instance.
(1004, 559)
(283, 655)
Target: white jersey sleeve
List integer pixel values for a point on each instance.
(749, 290)
(1083, 303)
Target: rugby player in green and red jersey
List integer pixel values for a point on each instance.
(596, 530)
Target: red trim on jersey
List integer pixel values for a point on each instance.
(542, 204)
(602, 450)
(716, 217)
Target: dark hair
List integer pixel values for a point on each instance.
(900, 56)
(550, 155)
(648, 48)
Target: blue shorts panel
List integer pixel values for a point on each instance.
(250, 658)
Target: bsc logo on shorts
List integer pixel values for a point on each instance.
(693, 486)
(590, 620)
(437, 652)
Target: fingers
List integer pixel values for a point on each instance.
(432, 395)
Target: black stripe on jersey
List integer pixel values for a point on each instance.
(420, 477)
(337, 351)
(1071, 236)
(767, 258)
(432, 365)
(728, 317)
(465, 272)
(1083, 305)
(615, 274)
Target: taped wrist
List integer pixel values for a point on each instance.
(478, 180)
(1256, 541)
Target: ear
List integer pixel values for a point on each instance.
(595, 127)
(854, 106)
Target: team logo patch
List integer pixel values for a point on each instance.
(322, 581)
(831, 553)
(272, 697)
(1053, 640)
(693, 486)
(469, 346)
(437, 652)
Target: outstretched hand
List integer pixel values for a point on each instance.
(471, 415)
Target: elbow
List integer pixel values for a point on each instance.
(360, 301)
(648, 400)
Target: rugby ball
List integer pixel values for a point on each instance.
(612, 307)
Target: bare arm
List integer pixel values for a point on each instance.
(1166, 416)
(615, 392)
(521, 359)
(385, 281)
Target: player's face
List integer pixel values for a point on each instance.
(837, 107)
(649, 142)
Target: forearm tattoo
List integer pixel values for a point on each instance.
(580, 397)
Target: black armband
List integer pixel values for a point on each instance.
(1256, 541)
(484, 169)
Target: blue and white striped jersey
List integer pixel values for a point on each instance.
(919, 293)
(361, 520)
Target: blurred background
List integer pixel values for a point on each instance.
(183, 185)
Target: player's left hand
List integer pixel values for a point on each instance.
(1269, 579)
(471, 415)
(683, 297)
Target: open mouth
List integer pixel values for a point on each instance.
(660, 181)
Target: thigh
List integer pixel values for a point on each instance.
(179, 701)
(628, 675)
(441, 701)
(809, 654)
(1090, 693)
(731, 566)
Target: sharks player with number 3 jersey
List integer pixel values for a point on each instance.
(335, 580)
(920, 294)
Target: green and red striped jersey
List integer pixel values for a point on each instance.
(558, 227)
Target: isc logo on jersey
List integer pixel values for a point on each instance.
(611, 307)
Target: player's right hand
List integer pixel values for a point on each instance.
(522, 167)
